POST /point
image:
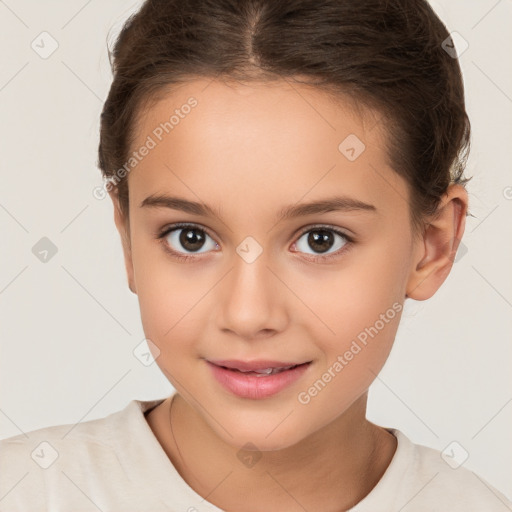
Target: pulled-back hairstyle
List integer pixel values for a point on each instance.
(385, 54)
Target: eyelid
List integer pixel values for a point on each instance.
(327, 227)
(177, 225)
(350, 239)
(170, 227)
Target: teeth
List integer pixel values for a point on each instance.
(267, 371)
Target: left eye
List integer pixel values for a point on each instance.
(322, 239)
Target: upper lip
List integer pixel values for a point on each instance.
(260, 364)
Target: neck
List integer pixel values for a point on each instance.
(332, 469)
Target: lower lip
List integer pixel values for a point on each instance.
(251, 386)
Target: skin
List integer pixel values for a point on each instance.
(250, 150)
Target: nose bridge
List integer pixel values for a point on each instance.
(251, 299)
(250, 272)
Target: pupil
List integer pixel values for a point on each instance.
(323, 239)
(191, 239)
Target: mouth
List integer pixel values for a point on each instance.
(263, 372)
(256, 379)
(260, 367)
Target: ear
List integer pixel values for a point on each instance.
(123, 227)
(438, 245)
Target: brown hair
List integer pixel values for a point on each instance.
(386, 54)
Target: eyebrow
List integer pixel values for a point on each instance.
(336, 203)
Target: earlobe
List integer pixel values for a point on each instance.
(438, 247)
(123, 227)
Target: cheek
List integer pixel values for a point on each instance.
(352, 357)
(169, 297)
(355, 301)
(353, 297)
(359, 309)
(170, 313)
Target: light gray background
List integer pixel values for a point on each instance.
(69, 326)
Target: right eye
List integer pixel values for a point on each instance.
(189, 237)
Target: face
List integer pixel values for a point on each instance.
(323, 286)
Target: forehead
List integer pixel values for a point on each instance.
(280, 140)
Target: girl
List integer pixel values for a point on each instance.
(284, 176)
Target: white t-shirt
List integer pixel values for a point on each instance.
(116, 463)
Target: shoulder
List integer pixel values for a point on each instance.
(41, 446)
(436, 480)
(56, 459)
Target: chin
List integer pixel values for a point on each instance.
(257, 438)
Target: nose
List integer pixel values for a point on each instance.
(252, 300)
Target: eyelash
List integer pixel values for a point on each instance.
(180, 225)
